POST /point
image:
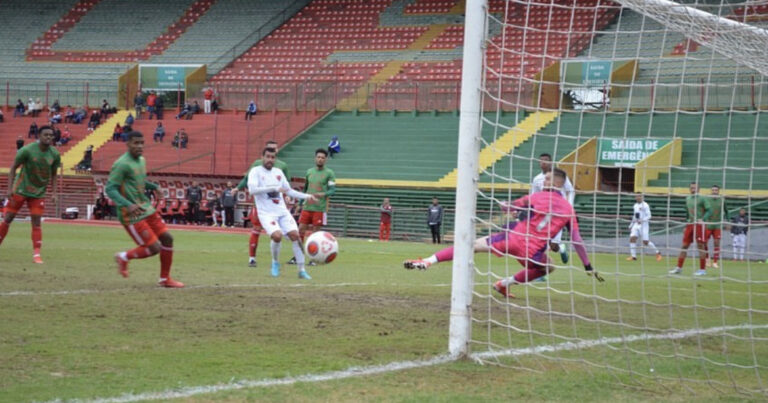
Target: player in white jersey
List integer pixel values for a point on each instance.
(639, 228)
(267, 184)
(568, 192)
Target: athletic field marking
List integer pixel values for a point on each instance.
(352, 372)
(23, 293)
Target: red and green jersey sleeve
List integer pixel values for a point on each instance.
(319, 181)
(37, 169)
(716, 204)
(126, 185)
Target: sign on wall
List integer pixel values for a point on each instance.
(165, 77)
(627, 152)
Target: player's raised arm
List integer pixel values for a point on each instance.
(286, 188)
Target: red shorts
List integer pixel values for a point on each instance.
(316, 218)
(147, 231)
(14, 204)
(255, 217)
(516, 247)
(694, 231)
(712, 233)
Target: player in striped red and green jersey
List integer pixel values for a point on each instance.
(39, 162)
(126, 186)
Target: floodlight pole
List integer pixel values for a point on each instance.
(466, 184)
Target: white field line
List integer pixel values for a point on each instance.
(541, 286)
(185, 392)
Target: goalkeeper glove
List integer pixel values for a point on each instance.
(591, 272)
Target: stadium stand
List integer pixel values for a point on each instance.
(207, 40)
(235, 142)
(400, 146)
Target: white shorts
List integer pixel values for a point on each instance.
(740, 241)
(640, 231)
(284, 223)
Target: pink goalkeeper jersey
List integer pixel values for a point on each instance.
(548, 213)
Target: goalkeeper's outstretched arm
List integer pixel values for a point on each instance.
(581, 250)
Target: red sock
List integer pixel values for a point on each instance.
(3, 230)
(526, 275)
(445, 254)
(253, 244)
(166, 259)
(37, 239)
(703, 263)
(680, 262)
(139, 252)
(717, 254)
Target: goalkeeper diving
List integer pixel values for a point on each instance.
(548, 213)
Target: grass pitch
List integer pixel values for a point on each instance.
(73, 329)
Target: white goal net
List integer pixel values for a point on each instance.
(636, 100)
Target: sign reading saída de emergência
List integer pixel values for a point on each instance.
(627, 152)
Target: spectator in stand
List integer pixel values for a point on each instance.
(159, 108)
(19, 143)
(19, 110)
(55, 108)
(251, 110)
(101, 210)
(56, 134)
(117, 133)
(138, 103)
(94, 121)
(128, 126)
(207, 98)
(87, 161)
(55, 118)
(194, 111)
(180, 139)
(69, 115)
(159, 133)
(80, 114)
(194, 197)
(334, 147)
(385, 225)
(31, 108)
(185, 111)
(151, 104)
(66, 136)
(33, 131)
(105, 109)
(38, 107)
(228, 201)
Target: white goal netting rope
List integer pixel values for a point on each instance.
(678, 89)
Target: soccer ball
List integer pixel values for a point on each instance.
(321, 247)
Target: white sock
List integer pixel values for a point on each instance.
(633, 249)
(275, 248)
(297, 252)
(735, 252)
(655, 249)
(506, 282)
(432, 259)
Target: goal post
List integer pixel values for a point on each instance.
(466, 183)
